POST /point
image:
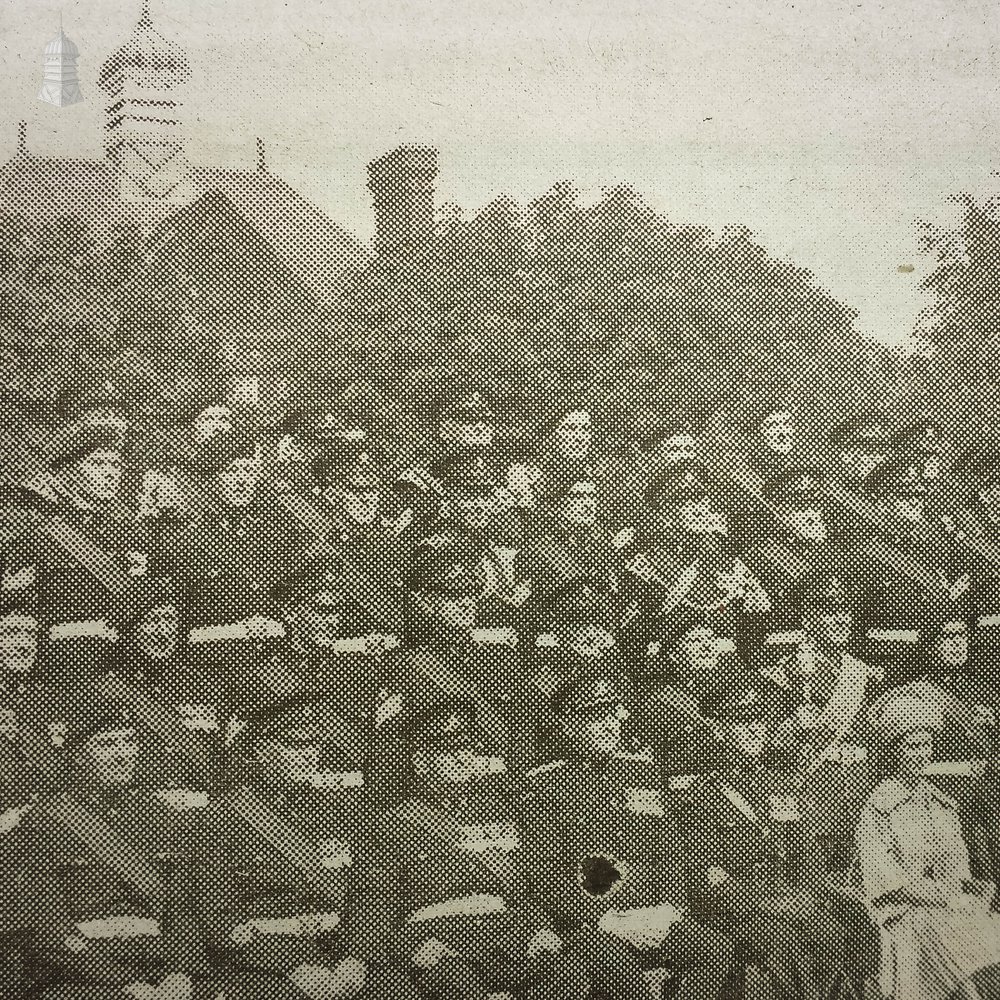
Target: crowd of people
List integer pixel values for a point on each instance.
(284, 716)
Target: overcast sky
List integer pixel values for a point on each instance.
(825, 126)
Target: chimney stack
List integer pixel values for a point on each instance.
(402, 183)
(261, 157)
(22, 138)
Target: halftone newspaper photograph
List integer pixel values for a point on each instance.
(499, 500)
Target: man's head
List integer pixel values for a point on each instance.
(231, 465)
(747, 717)
(158, 631)
(573, 434)
(445, 585)
(467, 422)
(796, 498)
(906, 721)
(590, 710)
(578, 503)
(690, 495)
(104, 743)
(293, 738)
(899, 483)
(582, 611)
(352, 480)
(951, 643)
(447, 746)
(924, 443)
(18, 640)
(863, 443)
(672, 444)
(827, 617)
(315, 599)
(91, 464)
(695, 646)
(778, 431)
(210, 421)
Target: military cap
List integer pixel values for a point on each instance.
(195, 408)
(924, 435)
(592, 690)
(216, 454)
(779, 415)
(665, 432)
(895, 478)
(683, 481)
(468, 409)
(794, 485)
(680, 622)
(83, 442)
(356, 468)
(907, 709)
(861, 430)
(446, 726)
(445, 569)
(580, 602)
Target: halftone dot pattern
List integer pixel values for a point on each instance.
(551, 601)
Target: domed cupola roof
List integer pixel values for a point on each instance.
(147, 60)
(62, 45)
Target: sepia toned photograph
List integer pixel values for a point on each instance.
(499, 501)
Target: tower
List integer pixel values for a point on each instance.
(144, 131)
(402, 183)
(60, 85)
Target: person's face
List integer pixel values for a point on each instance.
(18, 642)
(237, 482)
(859, 462)
(291, 755)
(750, 738)
(916, 750)
(211, 422)
(932, 467)
(158, 632)
(457, 610)
(779, 435)
(361, 504)
(324, 614)
(100, 473)
(580, 508)
(808, 524)
(910, 508)
(699, 649)
(573, 434)
(112, 755)
(595, 733)
(676, 448)
(700, 517)
(592, 640)
(522, 479)
(456, 766)
(953, 647)
(834, 627)
(244, 391)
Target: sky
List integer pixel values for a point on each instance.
(826, 127)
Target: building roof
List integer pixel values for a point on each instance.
(146, 59)
(320, 253)
(62, 45)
